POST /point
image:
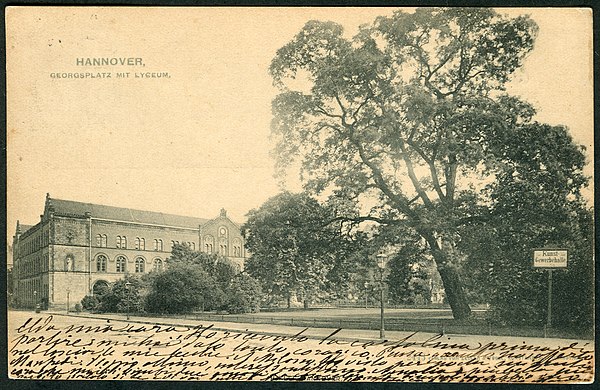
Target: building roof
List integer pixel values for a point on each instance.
(72, 208)
(24, 228)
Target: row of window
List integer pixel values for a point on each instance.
(32, 265)
(33, 243)
(32, 291)
(209, 246)
(121, 264)
(139, 243)
(192, 245)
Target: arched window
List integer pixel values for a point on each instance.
(209, 243)
(101, 263)
(158, 265)
(193, 246)
(160, 245)
(104, 241)
(122, 242)
(137, 243)
(99, 240)
(223, 249)
(121, 263)
(237, 247)
(100, 288)
(143, 244)
(140, 264)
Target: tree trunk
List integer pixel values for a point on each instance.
(454, 292)
(306, 304)
(289, 301)
(453, 286)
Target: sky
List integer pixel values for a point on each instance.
(198, 140)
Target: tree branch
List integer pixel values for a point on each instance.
(382, 221)
(322, 111)
(451, 178)
(413, 177)
(432, 169)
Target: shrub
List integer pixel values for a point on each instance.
(243, 295)
(90, 302)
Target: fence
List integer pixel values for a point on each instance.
(443, 326)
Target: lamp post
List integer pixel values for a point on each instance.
(127, 285)
(381, 262)
(366, 295)
(68, 292)
(35, 301)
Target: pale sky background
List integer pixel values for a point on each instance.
(198, 141)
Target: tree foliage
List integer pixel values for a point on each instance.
(243, 294)
(408, 280)
(195, 280)
(411, 113)
(217, 266)
(535, 203)
(183, 288)
(296, 246)
(124, 295)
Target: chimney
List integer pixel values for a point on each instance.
(223, 212)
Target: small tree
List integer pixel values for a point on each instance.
(243, 295)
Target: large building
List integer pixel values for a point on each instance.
(77, 248)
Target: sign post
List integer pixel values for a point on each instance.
(550, 259)
(549, 320)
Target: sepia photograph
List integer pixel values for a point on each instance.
(348, 194)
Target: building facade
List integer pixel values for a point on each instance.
(77, 248)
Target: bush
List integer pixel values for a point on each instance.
(183, 288)
(243, 295)
(90, 302)
(78, 307)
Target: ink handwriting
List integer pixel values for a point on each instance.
(42, 349)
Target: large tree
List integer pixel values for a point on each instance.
(535, 204)
(409, 113)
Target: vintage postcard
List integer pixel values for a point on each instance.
(300, 194)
